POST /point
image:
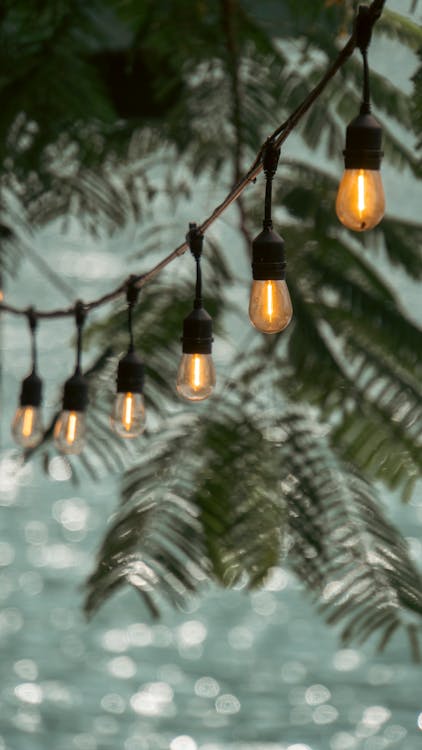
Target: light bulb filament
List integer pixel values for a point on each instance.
(361, 192)
(197, 379)
(127, 413)
(28, 421)
(270, 302)
(71, 428)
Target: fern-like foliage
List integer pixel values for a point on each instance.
(230, 490)
(220, 495)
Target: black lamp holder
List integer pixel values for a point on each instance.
(31, 388)
(75, 392)
(364, 134)
(130, 370)
(268, 256)
(197, 326)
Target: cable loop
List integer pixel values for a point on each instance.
(32, 318)
(32, 322)
(195, 240)
(364, 23)
(132, 291)
(80, 316)
(132, 294)
(363, 30)
(80, 313)
(270, 159)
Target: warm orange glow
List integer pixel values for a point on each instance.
(71, 427)
(270, 307)
(270, 303)
(28, 421)
(197, 376)
(360, 200)
(361, 192)
(127, 411)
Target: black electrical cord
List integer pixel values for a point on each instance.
(371, 13)
(132, 294)
(80, 317)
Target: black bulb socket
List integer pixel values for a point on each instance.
(31, 391)
(130, 374)
(75, 393)
(268, 256)
(197, 332)
(363, 143)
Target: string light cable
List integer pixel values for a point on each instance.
(359, 205)
(278, 137)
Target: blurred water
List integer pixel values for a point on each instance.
(235, 671)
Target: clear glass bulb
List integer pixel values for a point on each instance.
(270, 306)
(360, 203)
(196, 376)
(69, 431)
(128, 415)
(27, 427)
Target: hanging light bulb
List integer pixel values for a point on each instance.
(360, 202)
(70, 427)
(270, 307)
(27, 426)
(196, 373)
(128, 414)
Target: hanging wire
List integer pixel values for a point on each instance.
(33, 322)
(372, 13)
(80, 316)
(363, 31)
(132, 294)
(195, 240)
(269, 162)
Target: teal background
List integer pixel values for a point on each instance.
(235, 670)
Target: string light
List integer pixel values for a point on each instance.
(70, 427)
(360, 206)
(27, 426)
(360, 202)
(128, 415)
(270, 307)
(196, 374)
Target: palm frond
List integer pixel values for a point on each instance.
(397, 26)
(351, 558)
(242, 482)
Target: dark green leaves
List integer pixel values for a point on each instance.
(228, 490)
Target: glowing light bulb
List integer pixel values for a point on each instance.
(196, 376)
(128, 415)
(69, 431)
(270, 307)
(70, 428)
(360, 203)
(27, 427)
